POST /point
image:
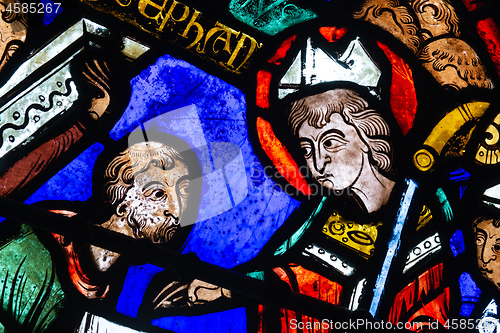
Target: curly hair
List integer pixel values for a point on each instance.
(10, 16)
(121, 171)
(369, 124)
(399, 22)
(455, 53)
(494, 221)
(442, 10)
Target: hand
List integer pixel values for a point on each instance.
(446, 209)
(173, 295)
(200, 292)
(178, 294)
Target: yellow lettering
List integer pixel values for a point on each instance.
(239, 52)
(241, 43)
(124, 4)
(169, 14)
(199, 29)
(143, 5)
(225, 30)
(160, 17)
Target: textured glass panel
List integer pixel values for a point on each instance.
(490, 33)
(228, 321)
(269, 16)
(165, 91)
(489, 318)
(447, 129)
(457, 243)
(73, 182)
(360, 237)
(31, 293)
(281, 157)
(315, 66)
(424, 249)
(138, 279)
(470, 294)
(341, 147)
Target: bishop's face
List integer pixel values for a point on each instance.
(334, 153)
(488, 250)
(157, 200)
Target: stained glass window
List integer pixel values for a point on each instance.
(249, 166)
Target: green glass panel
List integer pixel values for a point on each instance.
(269, 17)
(31, 294)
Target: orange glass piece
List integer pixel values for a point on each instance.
(282, 50)
(280, 156)
(490, 33)
(333, 34)
(312, 284)
(436, 309)
(403, 95)
(414, 294)
(263, 86)
(79, 279)
(308, 283)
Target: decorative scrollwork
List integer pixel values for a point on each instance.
(488, 151)
(358, 237)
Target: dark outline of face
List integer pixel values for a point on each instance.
(165, 203)
(488, 248)
(355, 110)
(336, 155)
(148, 163)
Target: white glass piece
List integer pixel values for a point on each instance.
(493, 193)
(492, 204)
(424, 249)
(96, 29)
(133, 49)
(489, 322)
(314, 66)
(29, 107)
(54, 48)
(356, 295)
(94, 324)
(27, 113)
(491, 309)
(291, 77)
(40, 58)
(330, 259)
(362, 70)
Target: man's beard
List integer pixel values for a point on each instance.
(143, 226)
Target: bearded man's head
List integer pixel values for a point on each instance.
(148, 184)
